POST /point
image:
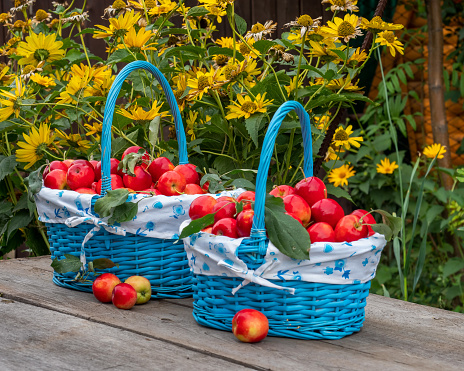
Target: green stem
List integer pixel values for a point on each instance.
(83, 44)
(289, 155)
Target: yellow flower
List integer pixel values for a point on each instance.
(74, 141)
(247, 107)
(333, 153)
(322, 122)
(345, 84)
(140, 116)
(164, 7)
(345, 29)
(389, 39)
(246, 49)
(305, 23)
(43, 80)
(340, 175)
(358, 57)
(118, 26)
(342, 138)
(139, 5)
(225, 42)
(244, 70)
(192, 122)
(325, 52)
(136, 41)
(386, 167)
(38, 48)
(258, 30)
(377, 25)
(342, 5)
(95, 129)
(5, 79)
(5, 17)
(10, 105)
(36, 142)
(217, 8)
(181, 86)
(203, 82)
(435, 150)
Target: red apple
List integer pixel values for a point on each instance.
(94, 163)
(349, 229)
(226, 227)
(245, 222)
(81, 161)
(80, 176)
(225, 198)
(205, 187)
(250, 325)
(150, 191)
(171, 183)
(296, 205)
(159, 166)
(282, 191)
(193, 189)
(53, 166)
(116, 182)
(139, 182)
(296, 218)
(366, 219)
(312, 189)
(68, 163)
(321, 232)
(113, 169)
(201, 206)
(86, 190)
(143, 287)
(246, 197)
(55, 179)
(103, 286)
(327, 210)
(124, 296)
(189, 172)
(135, 149)
(208, 230)
(224, 209)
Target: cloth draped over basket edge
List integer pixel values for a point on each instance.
(158, 216)
(330, 262)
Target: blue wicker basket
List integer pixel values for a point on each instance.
(162, 261)
(316, 310)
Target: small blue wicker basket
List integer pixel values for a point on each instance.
(162, 261)
(316, 310)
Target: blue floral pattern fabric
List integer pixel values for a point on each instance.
(330, 262)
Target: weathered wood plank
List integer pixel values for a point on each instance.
(396, 334)
(35, 338)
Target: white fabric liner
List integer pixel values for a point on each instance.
(330, 262)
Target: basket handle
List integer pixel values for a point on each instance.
(258, 228)
(109, 111)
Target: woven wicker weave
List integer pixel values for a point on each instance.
(316, 310)
(162, 261)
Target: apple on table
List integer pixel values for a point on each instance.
(250, 325)
(142, 286)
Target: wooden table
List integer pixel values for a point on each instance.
(46, 327)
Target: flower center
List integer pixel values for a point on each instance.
(243, 49)
(258, 27)
(376, 19)
(19, 3)
(249, 107)
(150, 4)
(29, 68)
(221, 60)
(119, 4)
(203, 82)
(19, 24)
(339, 2)
(342, 174)
(305, 20)
(41, 54)
(341, 135)
(389, 36)
(40, 15)
(230, 72)
(345, 29)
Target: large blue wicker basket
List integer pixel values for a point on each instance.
(316, 310)
(162, 261)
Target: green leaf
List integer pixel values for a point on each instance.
(35, 242)
(338, 192)
(25, 203)
(104, 205)
(197, 11)
(20, 220)
(215, 50)
(243, 183)
(15, 241)
(121, 55)
(124, 212)
(263, 45)
(393, 222)
(241, 24)
(70, 263)
(253, 125)
(453, 266)
(34, 182)
(420, 260)
(287, 234)
(383, 229)
(197, 225)
(7, 165)
(104, 263)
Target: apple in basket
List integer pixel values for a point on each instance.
(201, 206)
(103, 286)
(171, 183)
(250, 325)
(282, 191)
(349, 229)
(312, 189)
(143, 287)
(142, 179)
(124, 296)
(159, 166)
(80, 175)
(247, 198)
(189, 171)
(55, 179)
(328, 211)
(53, 166)
(367, 219)
(321, 232)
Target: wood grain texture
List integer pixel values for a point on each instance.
(48, 340)
(396, 335)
